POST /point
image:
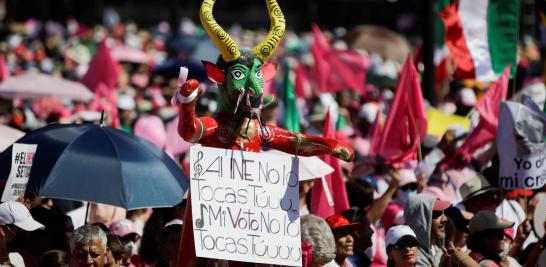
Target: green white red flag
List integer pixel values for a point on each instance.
(482, 37)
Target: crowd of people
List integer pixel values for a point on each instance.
(423, 214)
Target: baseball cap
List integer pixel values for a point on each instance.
(474, 187)
(122, 227)
(396, 233)
(337, 221)
(440, 205)
(407, 176)
(487, 220)
(519, 193)
(16, 213)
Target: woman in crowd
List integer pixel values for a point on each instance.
(401, 247)
(344, 235)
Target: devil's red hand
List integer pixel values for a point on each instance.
(188, 87)
(344, 152)
(188, 93)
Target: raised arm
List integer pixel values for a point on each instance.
(305, 145)
(190, 127)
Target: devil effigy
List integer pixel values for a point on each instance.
(240, 75)
(238, 125)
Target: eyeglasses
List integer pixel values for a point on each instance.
(406, 243)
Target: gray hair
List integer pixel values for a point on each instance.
(316, 231)
(87, 234)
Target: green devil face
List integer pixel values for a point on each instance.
(241, 78)
(240, 82)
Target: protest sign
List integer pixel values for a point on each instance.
(520, 144)
(245, 206)
(22, 156)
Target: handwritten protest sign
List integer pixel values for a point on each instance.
(245, 206)
(521, 147)
(22, 156)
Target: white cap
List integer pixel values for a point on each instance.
(16, 213)
(407, 176)
(395, 233)
(126, 102)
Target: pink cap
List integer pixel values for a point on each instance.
(122, 227)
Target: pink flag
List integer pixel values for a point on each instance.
(338, 69)
(4, 72)
(376, 130)
(334, 181)
(319, 48)
(102, 77)
(406, 124)
(486, 130)
(105, 100)
(302, 88)
(103, 68)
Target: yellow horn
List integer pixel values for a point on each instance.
(276, 31)
(224, 43)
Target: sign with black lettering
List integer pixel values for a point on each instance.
(245, 206)
(521, 146)
(22, 156)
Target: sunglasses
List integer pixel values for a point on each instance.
(436, 214)
(406, 243)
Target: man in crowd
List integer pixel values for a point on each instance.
(479, 195)
(425, 215)
(88, 247)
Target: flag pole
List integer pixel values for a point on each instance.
(419, 152)
(428, 53)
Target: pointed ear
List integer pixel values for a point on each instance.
(268, 71)
(215, 74)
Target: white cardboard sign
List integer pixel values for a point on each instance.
(22, 156)
(520, 145)
(245, 206)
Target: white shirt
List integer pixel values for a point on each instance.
(333, 263)
(16, 259)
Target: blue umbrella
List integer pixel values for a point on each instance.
(100, 164)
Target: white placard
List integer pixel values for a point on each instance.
(520, 145)
(245, 206)
(22, 156)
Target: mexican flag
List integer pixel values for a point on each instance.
(482, 37)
